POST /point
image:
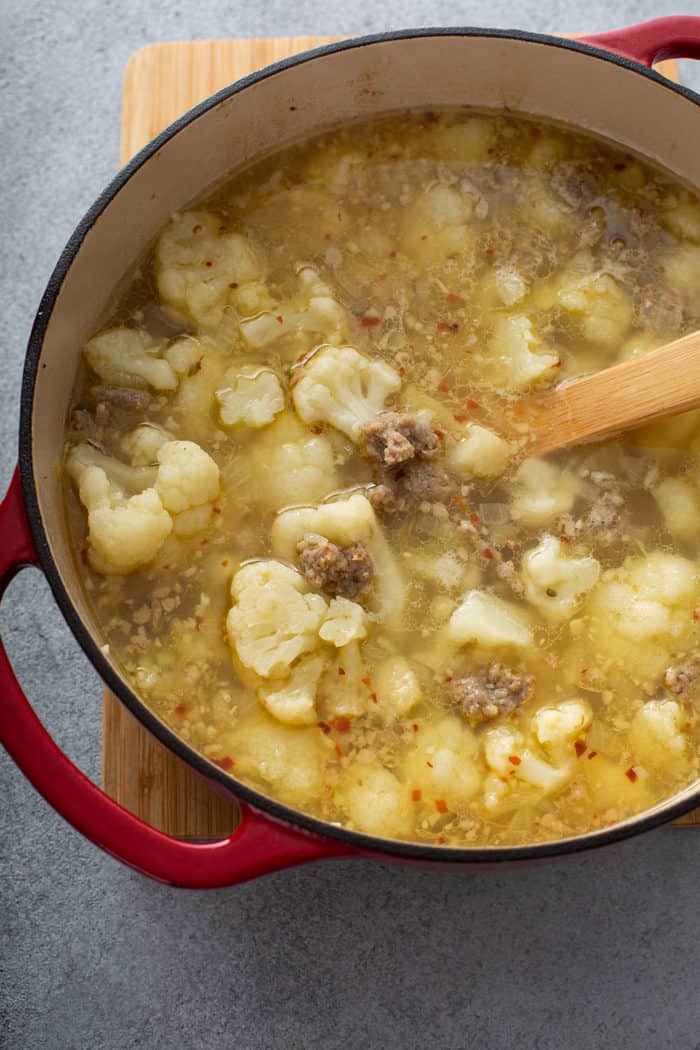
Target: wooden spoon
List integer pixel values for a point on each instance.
(661, 383)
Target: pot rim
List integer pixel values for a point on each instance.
(660, 814)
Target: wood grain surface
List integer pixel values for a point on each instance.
(161, 82)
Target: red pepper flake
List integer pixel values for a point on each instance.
(564, 539)
(415, 727)
(341, 670)
(167, 568)
(474, 518)
(696, 615)
(203, 543)
(488, 553)
(216, 510)
(341, 724)
(631, 775)
(324, 727)
(446, 326)
(592, 754)
(198, 621)
(429, 764)
(452, 298)
(441, 840)
(370, 320)
(489, 252)
(181, 710)
(373, 697)
(339, 751)
(460, 504)
(443, 387)
(416, 794)
(317, 428)
(441, 805)
(402, 371)
(328, 237)
(196, 229)
(225, 763)
(392, 254)
(233, 284)
(209, 263)
(514, 760)
(580, 747)
(279, 319)
(424, 236)
(366, 681)
(225, 563)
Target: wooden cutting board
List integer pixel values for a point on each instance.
(161, 82)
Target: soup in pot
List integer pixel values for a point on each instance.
(303, 507)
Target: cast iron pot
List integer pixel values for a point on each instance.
(604, 85)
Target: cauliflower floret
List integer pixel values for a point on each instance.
(555, 583)
(647, 597)
(377, 801)
(447, 570)
(517, 358)
(341, 387)
(638, 344)
(130, 357)
(123, 476)
(252, 397)
(345, 622)
(503, 743)
(142, 444)
(556, 727)
(436, 225)
(346, 522)
(467, 141)
(603, 306)
(273, 619)
(486, 620)
(294, 701)
(679, 502)
(197, 264)
(543, 492)
(187, 476)
(441, 764)
(184, 354)
(510, 285)
(656, 732)
(314, 312)
(342, 691)
(397, 688)
(682, 270)
(300, 470)
(479, 453)
(291, 761)
(123, 534)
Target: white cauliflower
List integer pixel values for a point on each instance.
(199, 264)
(185, 353)
(604, 308)
(656, 732)
(682, 270)
(555, 583)
(436, 225)
(506, 754)
(683, 221)
(130, 357)
(123, 533)
(289, 761)
(679, 502)
(252, 397)
(377, 802)
(314, 312)
(129, 478)
(486, 620)
(142, 444)
(345, 622)
(274, 619)
(293, 702)
(543, 491)
(517, 358)
(478, 453)
(558, 726)
(291, 466)
(346, 522)
(397, 688)
(342, 691)
(187, 476)
(337, 385)
(441, 765)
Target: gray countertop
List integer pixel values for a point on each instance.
(594, 952)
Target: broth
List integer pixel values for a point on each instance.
(303, 508)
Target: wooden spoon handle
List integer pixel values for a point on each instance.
(661, 383)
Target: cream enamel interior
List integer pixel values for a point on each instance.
(483, 72)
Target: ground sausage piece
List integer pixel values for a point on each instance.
(487, 694)
(344, 571)
(413, 483)
(123, 397)
(395, 438)
(684, 678)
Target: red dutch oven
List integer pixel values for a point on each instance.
(603, 84)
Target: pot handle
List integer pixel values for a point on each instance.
(258, 846)
(677, 36)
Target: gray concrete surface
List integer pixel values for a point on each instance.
(596, 952)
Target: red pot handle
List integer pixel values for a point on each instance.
(258, 846)
(677, 36)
